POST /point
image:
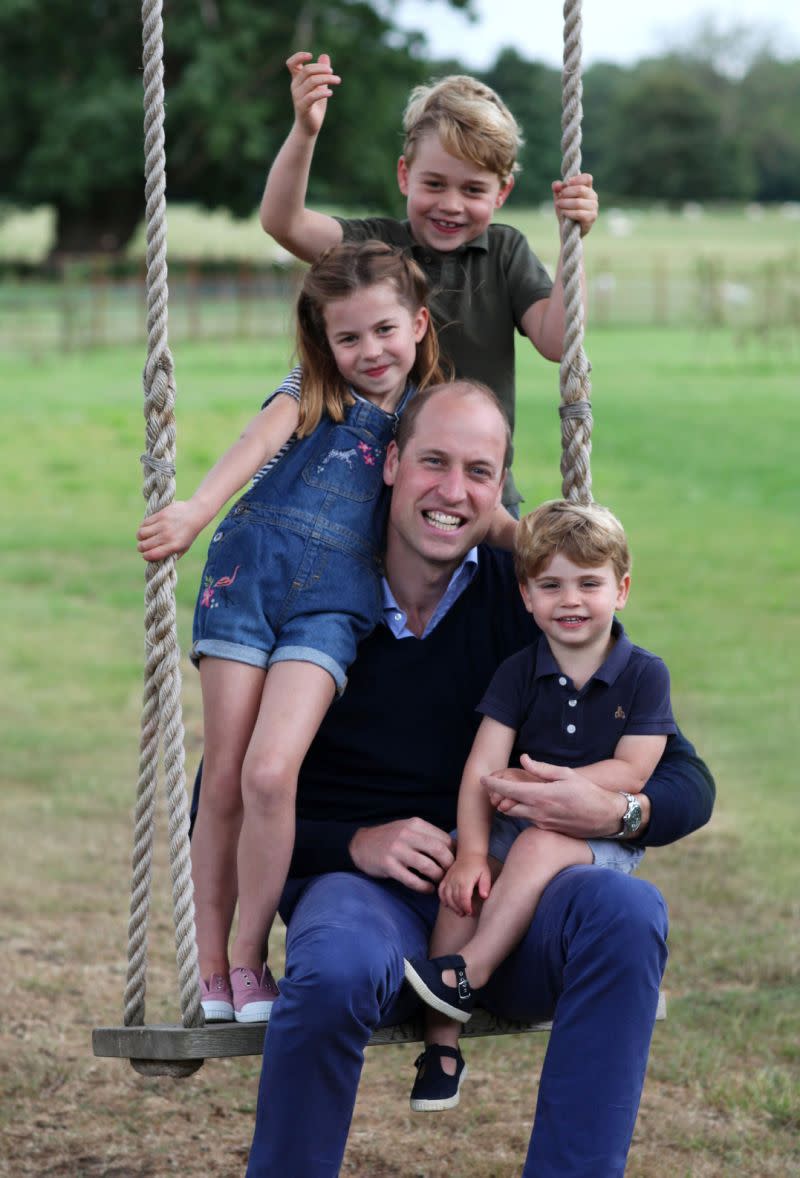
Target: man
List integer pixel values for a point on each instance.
(376, 799)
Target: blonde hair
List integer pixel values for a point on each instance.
(589, 535)
(471, 120)
(339, 272)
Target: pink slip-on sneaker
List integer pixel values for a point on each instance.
(216, 998)
(253, 998)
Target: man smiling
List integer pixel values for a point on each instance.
(377, 799)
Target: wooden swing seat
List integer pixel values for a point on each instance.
(221, 1040)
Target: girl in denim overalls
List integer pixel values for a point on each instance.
(290, 587)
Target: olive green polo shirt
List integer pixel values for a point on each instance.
(479, 294)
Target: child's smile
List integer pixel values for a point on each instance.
(374, 337)
(450, 201)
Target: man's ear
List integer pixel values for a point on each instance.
(504, 193)
(390, 464)
(402, 175)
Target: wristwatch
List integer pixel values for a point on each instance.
(632, 818)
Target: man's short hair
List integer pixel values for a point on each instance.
(465, 388)
(589, 535)
(471, 120)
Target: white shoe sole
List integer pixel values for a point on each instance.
(254, 1012)
(435, 1106)
(431, 999)
(217, 1012)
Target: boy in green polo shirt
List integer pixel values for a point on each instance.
(457, 167)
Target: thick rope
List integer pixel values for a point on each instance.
(576, 408)
(162, 721)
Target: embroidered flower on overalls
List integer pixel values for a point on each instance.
(221, 583)
(370, 454)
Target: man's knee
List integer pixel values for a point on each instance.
(622, 911)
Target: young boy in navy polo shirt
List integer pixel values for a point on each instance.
(583, 696)
(459, 159)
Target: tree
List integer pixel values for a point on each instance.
(71, 75)
(671, 143)
(532, 92)
(768, 92)
(602, 86)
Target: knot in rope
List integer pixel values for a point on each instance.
(580, 410)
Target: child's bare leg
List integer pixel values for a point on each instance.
(295, 699)
(534, 859)
(450, 933)
(231, 699)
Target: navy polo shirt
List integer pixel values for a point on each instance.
(627, 696)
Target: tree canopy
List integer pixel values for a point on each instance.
(71, 73)
(675, 128)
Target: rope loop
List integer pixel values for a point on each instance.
(578, 410)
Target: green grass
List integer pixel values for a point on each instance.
(747, 235)
(695, 448)
(646, 267)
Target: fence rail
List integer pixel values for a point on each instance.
(89, 304)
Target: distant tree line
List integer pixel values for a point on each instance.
(675, 128)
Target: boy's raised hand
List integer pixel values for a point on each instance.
(576, 198)
(311, 89)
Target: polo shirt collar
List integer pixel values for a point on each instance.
(481, 242)
(608, 672)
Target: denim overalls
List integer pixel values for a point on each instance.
(293, 571)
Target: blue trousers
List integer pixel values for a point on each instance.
(592, 960)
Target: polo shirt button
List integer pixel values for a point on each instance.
(562, 681)
(573, 703)
(570, 728)
(398, 617)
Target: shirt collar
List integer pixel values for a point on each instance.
(396, 619)
(481, 242)
(608, 672)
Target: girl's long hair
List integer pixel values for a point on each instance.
(338, 273)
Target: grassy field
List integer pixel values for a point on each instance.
(695, 447)
(736, 266)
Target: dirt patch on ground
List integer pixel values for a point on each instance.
(67, 1113)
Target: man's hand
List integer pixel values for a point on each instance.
(311, 89)
(469, 873)
(414, 852)
(576, 198)
(560, 799)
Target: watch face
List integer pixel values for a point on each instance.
(633, 818)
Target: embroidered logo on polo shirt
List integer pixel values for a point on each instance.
(619, 714)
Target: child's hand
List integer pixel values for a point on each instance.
(575, 198)
(169, 532)
(469, 873)
(311, 89)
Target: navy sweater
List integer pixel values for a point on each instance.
(394, 745)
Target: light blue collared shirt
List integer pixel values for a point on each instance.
(396, 619)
